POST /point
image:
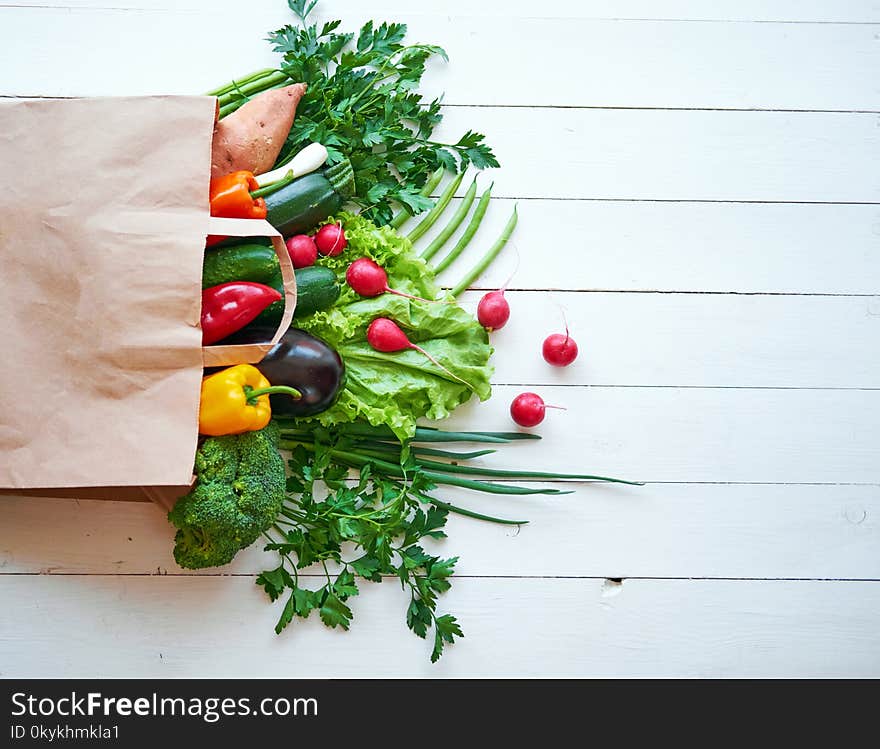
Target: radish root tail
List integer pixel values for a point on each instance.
(438, 364)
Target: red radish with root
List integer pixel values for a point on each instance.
(370, 279)
(386, 336)
(560, 350)
(493, 311)
(303, 251)
(528, 409)
(331, 240)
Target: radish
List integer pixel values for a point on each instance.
(303, 251)
(331, 240)
(560, 350)
(493, 311)
(386, 336)
(528, 409)
(370, 279)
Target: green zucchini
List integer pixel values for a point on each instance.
(239, 262)
(309, 200)
(316, 289)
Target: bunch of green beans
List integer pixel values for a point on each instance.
(439, 242)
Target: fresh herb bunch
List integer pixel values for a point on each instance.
(383, 521)
(374, 528)
(362, 103)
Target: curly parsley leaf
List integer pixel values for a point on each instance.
(362, 102)
(383, 519)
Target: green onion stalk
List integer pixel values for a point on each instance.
(359, 445)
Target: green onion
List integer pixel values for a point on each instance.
(422, 434)
(236, 103)
(428, 221)
(478, 471)
(469, 232)
(443, 237)
(450, 454)
(233, 85)
(274, 186)
(430, 184)
(240, 91)
(468, 513)
(487, 259)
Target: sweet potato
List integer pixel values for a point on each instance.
(251, 137)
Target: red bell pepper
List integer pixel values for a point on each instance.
(228, 307)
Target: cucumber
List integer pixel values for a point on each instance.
(239, 262)
(309, 200)
(316, 289)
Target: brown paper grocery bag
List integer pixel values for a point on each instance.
(103, 219)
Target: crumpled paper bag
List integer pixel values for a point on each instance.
(103, 219)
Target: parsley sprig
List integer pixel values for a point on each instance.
(362, 103)
(374, 528)
(367, 531)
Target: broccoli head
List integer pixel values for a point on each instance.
(240, 485)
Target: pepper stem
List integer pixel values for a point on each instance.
(252, 394)
(274, 186)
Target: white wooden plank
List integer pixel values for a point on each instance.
(691, 339)
(677, 155)
(694, 434)
(183, 626)
(658, 530)
(661, 434)
(779, 11)
(595, 62)
(643, 246)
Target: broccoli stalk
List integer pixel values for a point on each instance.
(239, 491)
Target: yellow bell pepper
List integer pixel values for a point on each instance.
(236, 400)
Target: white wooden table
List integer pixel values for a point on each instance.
(699, 189)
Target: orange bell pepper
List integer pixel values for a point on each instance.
(230, 196)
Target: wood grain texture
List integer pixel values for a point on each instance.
(752, 408)
(183, 626)
(691, 340)
(658, 530)
(678, 246)
(695, 434)
(724, 11)
(676, 155)
(679, 64)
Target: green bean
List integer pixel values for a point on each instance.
(477, 270)
(469, 232)
(443, 237)
(430, 184)
(428, 221)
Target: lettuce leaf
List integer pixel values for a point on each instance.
(397, 389)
